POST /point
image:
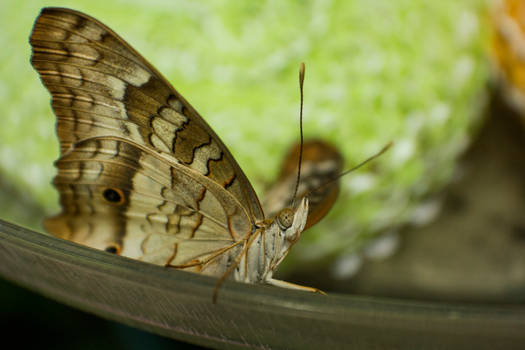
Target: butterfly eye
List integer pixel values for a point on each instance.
(285, 218)
(113, 248)
(114, 195)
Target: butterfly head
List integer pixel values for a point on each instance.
(291, 221)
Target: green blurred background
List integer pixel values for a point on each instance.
(412, 72)
(409, 71)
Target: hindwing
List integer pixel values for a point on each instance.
(117, 194)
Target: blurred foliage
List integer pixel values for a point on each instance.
(411, 71)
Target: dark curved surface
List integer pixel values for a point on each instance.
(178, 305)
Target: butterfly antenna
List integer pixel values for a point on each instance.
(346, 172)
(301, 83)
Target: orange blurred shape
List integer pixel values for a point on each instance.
(508, 49)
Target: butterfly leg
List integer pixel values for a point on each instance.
(289, 285)
(202, 263)
(229, 271)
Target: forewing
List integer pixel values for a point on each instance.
(122, 197)
(101, 86)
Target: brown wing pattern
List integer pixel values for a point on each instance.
(100, 86)
(118, 194)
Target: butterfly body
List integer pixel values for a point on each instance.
(140, 173)
(270, 244)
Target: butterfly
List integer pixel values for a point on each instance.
(140, 172)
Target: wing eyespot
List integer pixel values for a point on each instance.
(113, 248)
(114, 196)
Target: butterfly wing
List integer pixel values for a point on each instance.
(119, 195)
(102, 87)
(321, 163)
